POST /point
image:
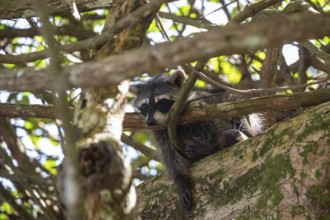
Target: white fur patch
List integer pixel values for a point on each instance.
(242, 137)
(160, 97)
(160, 118)
(256, 122)
(142, 101)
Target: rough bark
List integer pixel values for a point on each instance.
(24, 8)
(153, 59)
(135, 121)
(106, 176)
(281, 174)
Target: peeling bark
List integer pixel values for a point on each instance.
(282, 174)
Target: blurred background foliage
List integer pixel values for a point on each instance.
(30, 148)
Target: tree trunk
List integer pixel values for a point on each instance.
(281, 174)
(105, 175)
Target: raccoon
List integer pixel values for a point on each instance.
(154, 100)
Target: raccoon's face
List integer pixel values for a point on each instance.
(155, 98)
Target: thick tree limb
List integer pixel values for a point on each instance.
(22, 8)
(221, 41)
(71, 29)
(283, 172)
(27, 111)
(107, 177)
(135, 121)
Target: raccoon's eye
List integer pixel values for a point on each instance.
(144, 106)
(164, 101)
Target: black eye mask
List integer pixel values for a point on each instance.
(164, 105)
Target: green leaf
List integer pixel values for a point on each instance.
(53, 142)
(51, 165)
(234, 76)
(153, 27)
(183, 10)
(35, 140)
(6, 207)
(142, 137)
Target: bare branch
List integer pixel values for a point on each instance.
(151, 153)
(251, 10)
(320, 55)
(178, 106)
(221, 41)
(134, 120)
(22, 8)
(71, 29)
(186, 20)
(27, 111)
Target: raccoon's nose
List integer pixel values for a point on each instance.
(150, 121)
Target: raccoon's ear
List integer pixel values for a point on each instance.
(134, 89)
(178, 78)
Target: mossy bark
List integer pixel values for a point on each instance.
(281, 174)
(105, 175)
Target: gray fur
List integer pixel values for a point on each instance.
(200, 139)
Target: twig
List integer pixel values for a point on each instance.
(185, 20)
(317, 52)
(251, 10)
(217, 9)
(179, 105)
(140, 147)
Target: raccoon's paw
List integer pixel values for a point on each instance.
(190, 152)
(184, 191)
(234, 136)
(186, 199)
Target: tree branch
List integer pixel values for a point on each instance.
(178, 106)
(209, 112)
(221, 41)
(22, 8)
(267, 73)
(150, 153)
(70, 29)
(251, 10)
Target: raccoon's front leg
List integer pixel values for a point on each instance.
(183, 186)
(177, 167)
